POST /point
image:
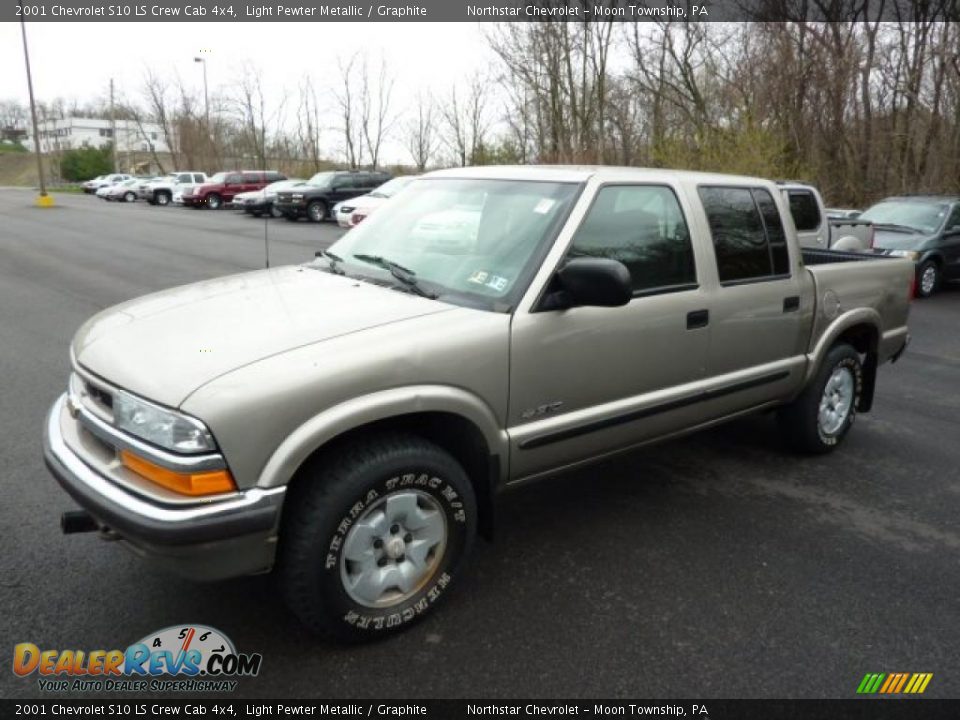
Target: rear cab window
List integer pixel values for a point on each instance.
(749, 240)
(804, 209)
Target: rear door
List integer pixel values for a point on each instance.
(590, 380)
(761, 312)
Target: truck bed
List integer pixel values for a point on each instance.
(816, 256)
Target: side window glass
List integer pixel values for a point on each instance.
(954, 221)
(776, 235)
(197, 178)
(233, 179)
(643, 227)
(251, 178)
(804, 209)
(739, 239)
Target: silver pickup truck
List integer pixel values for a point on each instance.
(350, 421)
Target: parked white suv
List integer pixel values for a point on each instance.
(162, 190)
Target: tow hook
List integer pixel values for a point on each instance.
(78, 521)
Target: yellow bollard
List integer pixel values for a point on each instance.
(45, 201)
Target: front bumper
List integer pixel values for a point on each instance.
(209, 540)
(193, 200)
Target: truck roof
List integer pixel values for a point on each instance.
(582, 173)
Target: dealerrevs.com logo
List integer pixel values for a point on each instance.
(184, 658)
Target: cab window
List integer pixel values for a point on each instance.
(748, 236)
(643, 227)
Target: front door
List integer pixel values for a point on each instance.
(590, 380)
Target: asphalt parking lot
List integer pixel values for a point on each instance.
(715, 566)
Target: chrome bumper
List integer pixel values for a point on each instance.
(149, 524)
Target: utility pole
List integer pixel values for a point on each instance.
(113, 128)
(43, 200)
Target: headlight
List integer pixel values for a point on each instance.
(166, 428)
(908, 254)
(347, 209)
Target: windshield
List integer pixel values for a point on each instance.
(469, 241)
(320, 179)
(218, 178)
(920, 216)
(391, 187)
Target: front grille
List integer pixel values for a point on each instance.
(99, 396)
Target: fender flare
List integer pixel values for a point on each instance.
(382, 405)
(840, 324)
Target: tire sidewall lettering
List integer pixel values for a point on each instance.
(852, 364)
(369, 619)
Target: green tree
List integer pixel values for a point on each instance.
(86, 163)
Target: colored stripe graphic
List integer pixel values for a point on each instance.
(894, 683)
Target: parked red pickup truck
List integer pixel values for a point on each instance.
(222, 187)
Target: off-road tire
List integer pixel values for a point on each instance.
(339, 488)
(800, 421)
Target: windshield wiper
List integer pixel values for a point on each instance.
(404, 275)
(333, 259)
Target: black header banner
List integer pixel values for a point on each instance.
(475, 10)
(858, 709)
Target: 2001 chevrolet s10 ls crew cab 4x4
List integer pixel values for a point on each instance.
(350, 420)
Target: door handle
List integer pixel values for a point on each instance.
(791, 304)
(698, 319)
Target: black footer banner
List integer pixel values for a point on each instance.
(867, 709)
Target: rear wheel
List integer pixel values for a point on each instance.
(317, 211)
(275, 211)
(928, 278)
(214, 201)
(819, 419)
(161, 198)
(375, 536)
(130, 197)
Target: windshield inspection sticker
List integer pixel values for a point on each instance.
(487, 279)
(543, 207)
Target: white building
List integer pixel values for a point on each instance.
(76, 132)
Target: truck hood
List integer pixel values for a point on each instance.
(894, 240)
(166, 345)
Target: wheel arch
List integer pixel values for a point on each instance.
(455, 420)
(860, 329)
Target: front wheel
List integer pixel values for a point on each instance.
(214, 201)
(317, 211)
(130, 197)
(275, 212)
(375, 535)
(819, 419)
(928, 279)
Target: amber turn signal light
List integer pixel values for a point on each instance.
(210, 482)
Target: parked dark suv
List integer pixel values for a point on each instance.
(316, 198)
(923, 228)
(223, 186)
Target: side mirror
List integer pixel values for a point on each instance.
(597, 282)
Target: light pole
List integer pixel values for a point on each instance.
(44, 200)
(206, 95)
